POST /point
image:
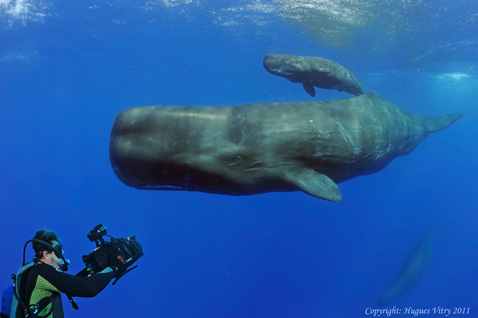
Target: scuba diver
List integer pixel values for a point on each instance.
(38, 284)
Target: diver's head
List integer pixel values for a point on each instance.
(48, 249)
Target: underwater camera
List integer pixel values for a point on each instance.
(99, 259)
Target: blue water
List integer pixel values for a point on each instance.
(67, 68)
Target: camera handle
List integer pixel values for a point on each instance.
(124, 273)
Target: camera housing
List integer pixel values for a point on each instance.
(99, 259)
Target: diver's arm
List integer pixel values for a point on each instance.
(74, 285)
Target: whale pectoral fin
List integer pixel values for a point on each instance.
(309, 88)
(315, 184)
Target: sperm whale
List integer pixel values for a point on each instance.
(258, 148)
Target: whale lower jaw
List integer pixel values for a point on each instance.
(300, 179)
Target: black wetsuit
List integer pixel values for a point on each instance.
(44, 281)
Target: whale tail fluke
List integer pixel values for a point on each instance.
(442, 122)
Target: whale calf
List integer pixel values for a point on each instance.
(312, 71)
(258, 148)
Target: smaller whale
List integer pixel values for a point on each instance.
(313, 71)
(410, 271)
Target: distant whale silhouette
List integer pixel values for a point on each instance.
(312, 71)
(410, 271)
(258, 148)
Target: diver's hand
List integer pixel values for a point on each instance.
(123, 254)
(117, 262)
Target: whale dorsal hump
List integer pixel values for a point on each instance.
(314, 183)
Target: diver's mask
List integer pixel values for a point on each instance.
(64, 263)
(57, 249)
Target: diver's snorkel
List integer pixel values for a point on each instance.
(57, 250)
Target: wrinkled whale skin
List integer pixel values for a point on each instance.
(312, 71)
(258, 148)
